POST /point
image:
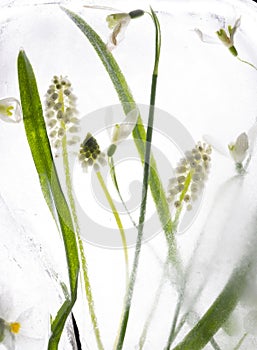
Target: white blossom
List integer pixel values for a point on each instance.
(10, 110)
(227, 38)
(27, 331)
(239, 149)
(118, 23)
(123, 130)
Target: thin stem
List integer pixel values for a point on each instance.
(129, 294)
(115, 182)
(118, 221)
(158, 292)
(174, 322)
(214, 344)
(250, 64)
(240, 341)
(83, 261)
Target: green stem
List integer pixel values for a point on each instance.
(129, 294)
(118, 221)
(83, 260)
(214, 344)
(250, 64)
(158, 292)
(240, 341)
(115, 182)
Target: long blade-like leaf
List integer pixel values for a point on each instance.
(219, 311)
(41, 152)
(139, 133)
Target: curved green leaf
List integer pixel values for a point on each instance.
(41, 152)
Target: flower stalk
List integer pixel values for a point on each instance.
(129, 294)
(90, 155)
(118, 221)
(61, 111)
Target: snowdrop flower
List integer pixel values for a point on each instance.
(240, 150)
(90, 154)
(10, 110)
(27, 331)
(123, 130)
(192, 172)
(61, 113)
(228, 38)
(118, 22)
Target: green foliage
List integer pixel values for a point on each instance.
(41, 152)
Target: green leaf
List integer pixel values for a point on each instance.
(41, 152)
(219, 311)
(139, 133)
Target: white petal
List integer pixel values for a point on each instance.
(27, 343)
(10, 110)
(34, 323)
(123, 130)
(205, 37)
(242, 144)
(234, 29)
(6, 306)
(9, 340)
(118, 33)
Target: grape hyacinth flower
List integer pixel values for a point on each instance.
(61, 113)
(10, 110)
(90, 154)
(118, 22)
(192, 172)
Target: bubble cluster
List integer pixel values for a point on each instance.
(191, 174)
(90, 154)
(60, 113)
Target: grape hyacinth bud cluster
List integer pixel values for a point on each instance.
(90, 154)
(191, 173)
(61, 112)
